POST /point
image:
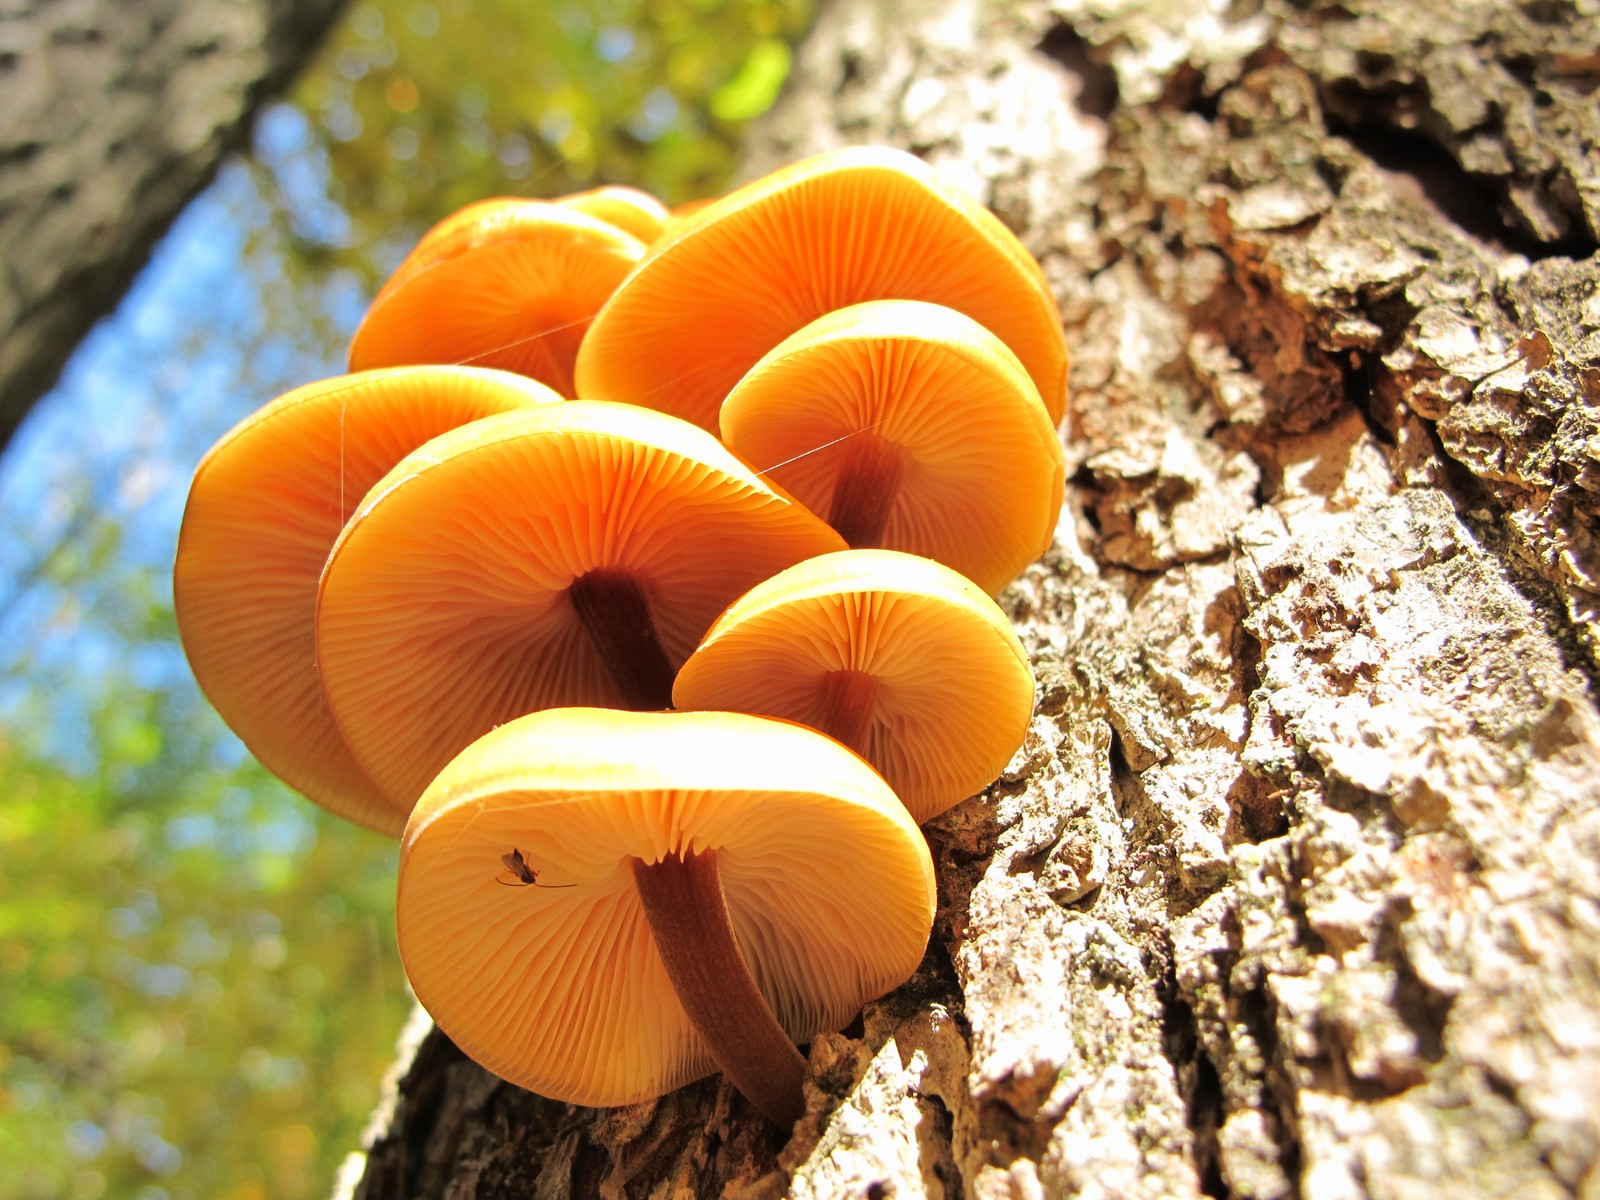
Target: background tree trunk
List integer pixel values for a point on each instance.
(1295, 887)
(113, 115)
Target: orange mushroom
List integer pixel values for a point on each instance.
(683, 213)
(911, 427)
(700, 902)
(569, 555)
(503, 283)
(629, 209)
(899, 658)
(266, 505)
(860, 224)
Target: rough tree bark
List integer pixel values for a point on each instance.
(1294, 889)
(113, 115)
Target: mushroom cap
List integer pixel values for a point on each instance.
(266, 505)
(629, 209)
(984, 472)
(502, 283)
(864, 223)
(681, 214)
(560, 989)
(479, 212)
(443, 610)
(954, 688)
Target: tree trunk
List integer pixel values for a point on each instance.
(1295, 887)
(113, 115)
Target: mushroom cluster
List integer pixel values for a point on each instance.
(640, 576)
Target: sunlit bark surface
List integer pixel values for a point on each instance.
(1294, 889)
(115, 114)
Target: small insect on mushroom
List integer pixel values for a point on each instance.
(728, 824)
(526, 875)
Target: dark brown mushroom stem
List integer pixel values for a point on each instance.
(868, 480)
(688, 914)
(616, 616)
(847, 698)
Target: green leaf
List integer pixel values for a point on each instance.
(756, 84)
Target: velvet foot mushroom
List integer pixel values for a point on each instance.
(265, 508)
(729, 283)
(573, 555)
(897, 657)
(909, 427)
(629, 209)
(679, 217)
(694, 901)
(503, 283)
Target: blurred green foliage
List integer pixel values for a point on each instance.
(426, 105)
(200, 994)
(199, 988)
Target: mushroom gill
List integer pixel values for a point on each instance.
(569, 991)
(910, 427)
(570, 556)
(899, 658)
(503, 283)
(264, 510)
(725, 286)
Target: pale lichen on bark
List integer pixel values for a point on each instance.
(1294, 888)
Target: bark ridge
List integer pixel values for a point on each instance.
(116, 114)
